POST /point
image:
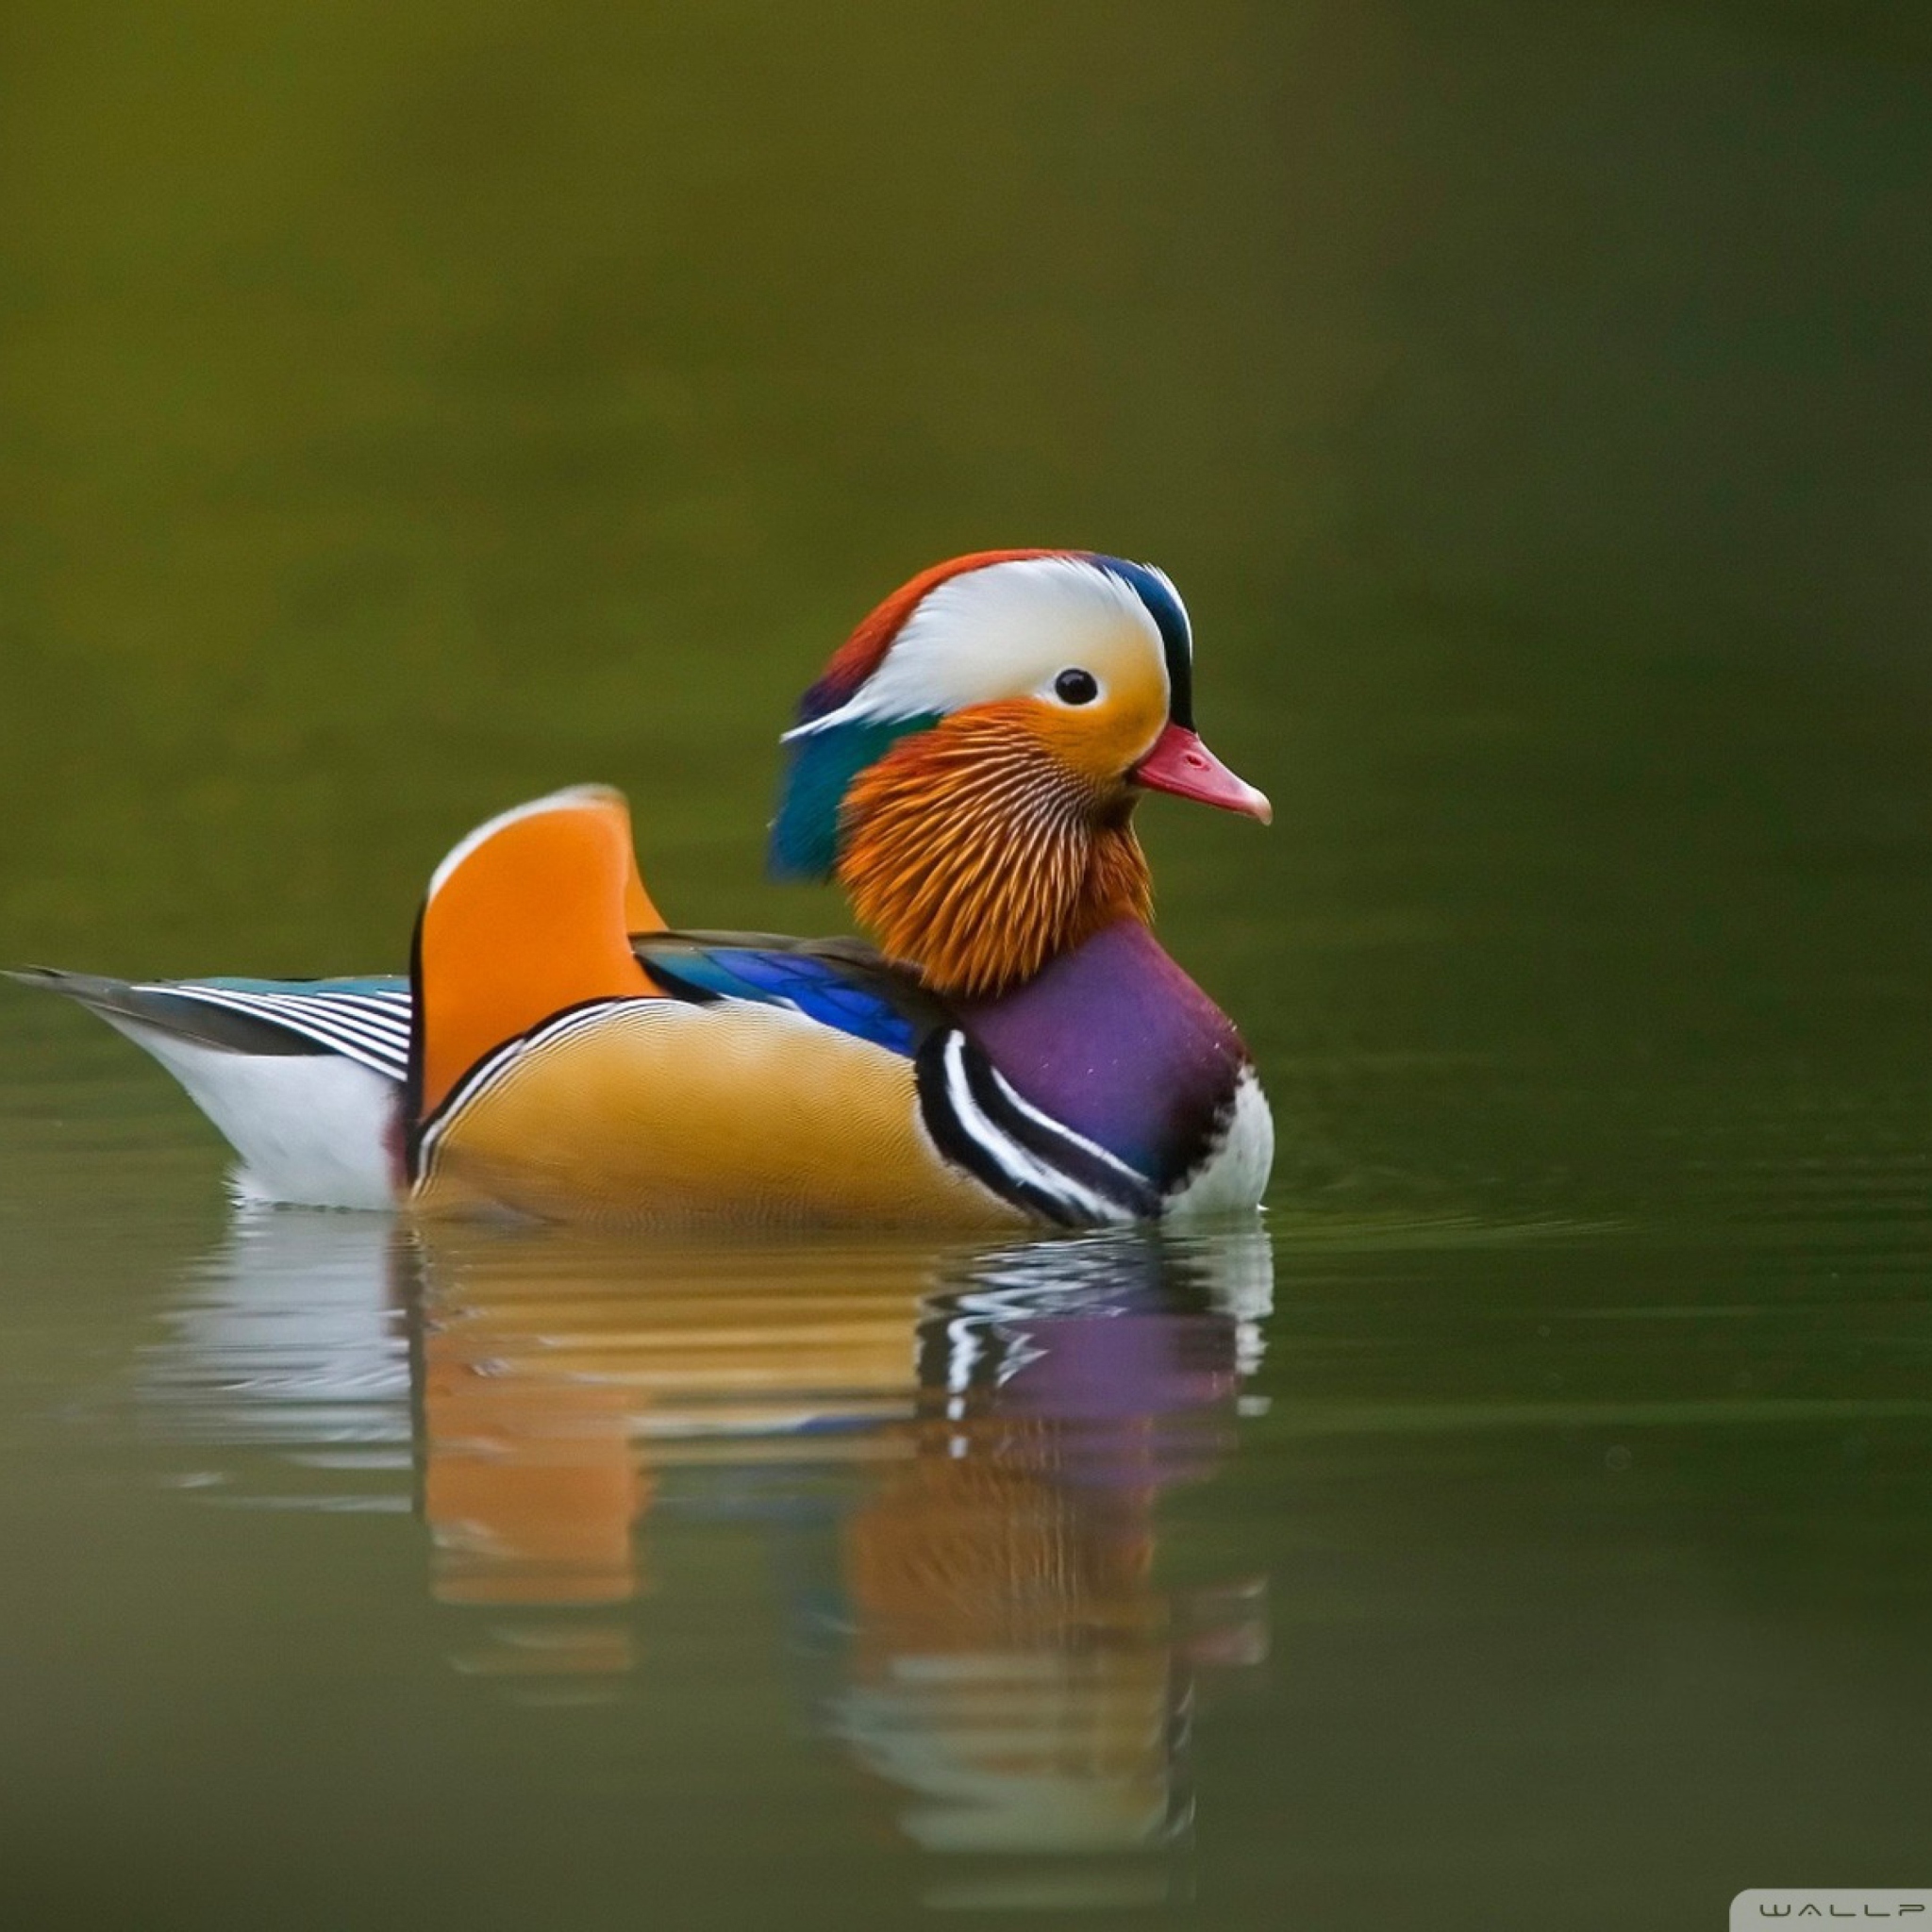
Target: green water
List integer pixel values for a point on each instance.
(403, 411)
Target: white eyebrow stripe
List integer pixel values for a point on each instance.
(1000, 631)
(847, 714)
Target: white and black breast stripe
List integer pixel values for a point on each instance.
(1025, 1157)
(370, 1027)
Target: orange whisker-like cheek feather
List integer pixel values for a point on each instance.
(975, 853)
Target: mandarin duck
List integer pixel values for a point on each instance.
(1015, 1049)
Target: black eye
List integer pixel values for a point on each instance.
(1075, 688)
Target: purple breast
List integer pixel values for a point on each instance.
(1117, 1043)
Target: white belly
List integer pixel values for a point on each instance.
(313, 1130)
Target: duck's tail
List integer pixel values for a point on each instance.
(529, 916)
(322, 1086)
(302, 1076)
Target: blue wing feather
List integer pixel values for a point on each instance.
(821, 988)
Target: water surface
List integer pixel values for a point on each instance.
(403, 411)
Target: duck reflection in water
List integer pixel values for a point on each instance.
(995, 1424)
(1013, 1662)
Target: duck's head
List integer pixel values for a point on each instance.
(969, 762)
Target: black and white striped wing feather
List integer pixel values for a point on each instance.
(370, 1027)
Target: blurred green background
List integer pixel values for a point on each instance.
(405, 406)
(404, 410)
